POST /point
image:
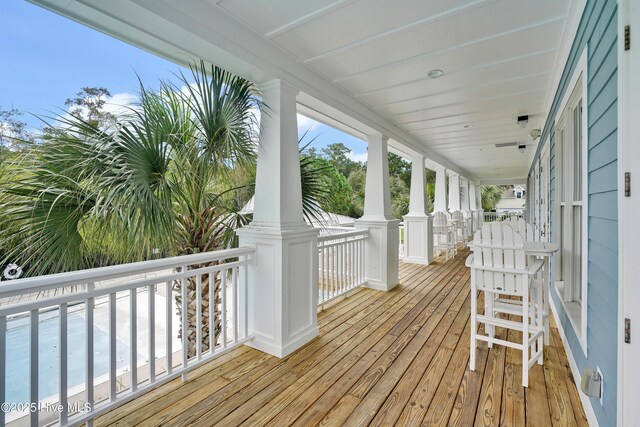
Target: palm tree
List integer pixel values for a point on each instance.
(154, 181)
(491, 195)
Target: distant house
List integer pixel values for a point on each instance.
(513, 199)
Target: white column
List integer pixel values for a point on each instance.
(472, 196)
(464, 194)
(381, 252)
(418, 225)
(474, 206)
(283, 280)
(440, 198)
(479, 206)
(454, 192)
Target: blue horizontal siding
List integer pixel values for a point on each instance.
(603, 179)
(597, 32)
(601, 153)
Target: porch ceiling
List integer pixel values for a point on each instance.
(500, 58)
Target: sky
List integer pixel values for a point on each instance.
(46, 58)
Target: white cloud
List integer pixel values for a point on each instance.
(357, 157)
(120, 103)
(306, 124)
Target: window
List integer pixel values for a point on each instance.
(570, 219)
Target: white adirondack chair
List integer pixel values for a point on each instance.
(460, 222)
(499, 267)
(523, 228)
(444, 238)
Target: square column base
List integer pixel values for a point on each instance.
(418, 239)
(282, 288)
(381, 253)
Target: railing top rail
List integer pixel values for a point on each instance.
(66, 298)
(53, 281)
(354, 233)
(334, 227)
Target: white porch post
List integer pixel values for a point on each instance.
(478, 198)
(472, 196)
(282, 282)
(474, 206)
(381, 252)
(418, 225)
(454, 192)
(464, 195)
(440, 198)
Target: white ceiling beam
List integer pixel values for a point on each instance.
(307, 18)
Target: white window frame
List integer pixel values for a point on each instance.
(576, 312)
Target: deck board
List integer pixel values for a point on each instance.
(394, 358)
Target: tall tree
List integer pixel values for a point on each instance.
(13, 131)
(337, 154)
(400, 168)
(89, 104)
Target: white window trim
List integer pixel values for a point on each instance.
(578, 313)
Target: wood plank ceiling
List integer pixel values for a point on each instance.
(497, 56)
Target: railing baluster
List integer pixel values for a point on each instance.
(212, 305)
(62, 390)
(352, 266)
(234, 283)
(90, 348)
(332, 268)
(112, 347)
(223, 307)
(3, 374)
(321, 272)
(362, 255)
(199, 317)
(151, 289)
(184, 322)
(338, 287)
(342, 267)
(33, 360)
(169, 327)
(245, 307)
(133, 338)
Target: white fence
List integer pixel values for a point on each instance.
(97, 314)
(340, 262)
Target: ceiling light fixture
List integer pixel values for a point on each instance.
(523, 120)
(468, 126)
(434, 74)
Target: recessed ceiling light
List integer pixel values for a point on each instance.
(434, 74)
(468, 126)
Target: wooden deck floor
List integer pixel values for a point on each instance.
(384, 359)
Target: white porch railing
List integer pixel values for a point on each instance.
(340, 263)
(109, 334)
(501, 216)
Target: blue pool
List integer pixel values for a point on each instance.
(17, 351)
